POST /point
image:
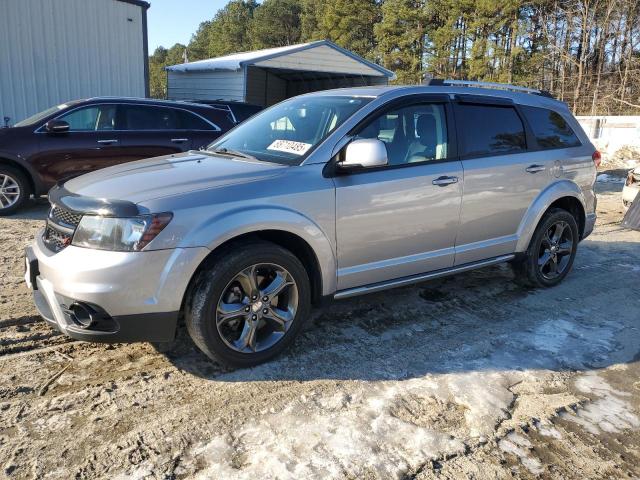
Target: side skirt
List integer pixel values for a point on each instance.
(400, 282)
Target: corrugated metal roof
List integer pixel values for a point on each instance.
(237, 61)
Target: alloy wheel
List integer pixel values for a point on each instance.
(257, 308)
(9, 191)
(555, 250)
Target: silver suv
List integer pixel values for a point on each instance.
(326, 195)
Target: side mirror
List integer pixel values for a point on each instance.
(364, 153)
(56, 126)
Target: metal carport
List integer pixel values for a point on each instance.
(265, 77)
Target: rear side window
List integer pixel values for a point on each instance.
(190, 121)
(490, 130)
(143, 117)
(550, 129)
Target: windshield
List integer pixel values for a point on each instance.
(38, 117)
(289, 131)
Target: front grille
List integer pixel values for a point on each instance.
(61, 226)
(56, 240)
(66, 217)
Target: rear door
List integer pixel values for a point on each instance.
(151, 131)
(202, 131)
(502, 176)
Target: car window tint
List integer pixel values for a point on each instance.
(143, 117)
(98, 117)
(412, 134)
(490, 130)
(550, 129)
(190, 121)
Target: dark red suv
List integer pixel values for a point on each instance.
(84, 135)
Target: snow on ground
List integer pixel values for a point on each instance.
(610, 412)
(382, 427)
(606, 178)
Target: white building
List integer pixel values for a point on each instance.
(265, 77)
(52, 51)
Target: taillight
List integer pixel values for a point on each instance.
(597, 158)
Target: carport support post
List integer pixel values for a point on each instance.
(266, 85)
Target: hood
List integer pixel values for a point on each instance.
(170, 175)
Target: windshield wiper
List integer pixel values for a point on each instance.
(233, 153)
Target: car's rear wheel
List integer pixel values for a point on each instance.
(551, 251)
(249, 304)
(14, 190)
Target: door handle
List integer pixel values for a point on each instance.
(108, 142)
(535, 168)
(179, 140)
(444, 181)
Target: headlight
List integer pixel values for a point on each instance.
(119, 234)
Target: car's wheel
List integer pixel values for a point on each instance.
(551, 251)
(249, 304)
(14, 190)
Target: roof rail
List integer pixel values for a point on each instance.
(499, 86)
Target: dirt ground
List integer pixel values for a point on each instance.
(468, 377)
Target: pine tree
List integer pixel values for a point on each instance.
(401, 38)
(276, 23)
(350, 24)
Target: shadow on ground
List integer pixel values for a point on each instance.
(478, 321)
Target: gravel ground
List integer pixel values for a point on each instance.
(467, 377)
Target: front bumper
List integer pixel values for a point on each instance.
(136, 295)
(589, 225)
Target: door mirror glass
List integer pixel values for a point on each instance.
(364, 153)
(56, 126)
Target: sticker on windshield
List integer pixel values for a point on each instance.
(289, 146)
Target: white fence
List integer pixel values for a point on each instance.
(611, 133)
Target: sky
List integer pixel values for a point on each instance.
(174, 21)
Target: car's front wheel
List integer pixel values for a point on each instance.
(249, 304)
(551, 251)
(14, 190)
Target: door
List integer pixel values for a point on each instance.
(201, 131)
(402, 219)
(90, 143)
(502, 176)
(151, 131)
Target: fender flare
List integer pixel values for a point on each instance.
(21, 163)
(531, 219)
(217, 230)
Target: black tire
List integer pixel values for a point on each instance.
(214, 281)
(24, 190)
(535, 269)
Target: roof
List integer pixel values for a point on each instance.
(137, 100)
(238, 61)
(139, 3)
(518, 97)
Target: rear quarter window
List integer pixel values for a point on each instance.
(190, 121)
(550, 129)
(490, 130)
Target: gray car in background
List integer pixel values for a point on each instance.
(327, 195)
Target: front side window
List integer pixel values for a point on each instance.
(287, 132)
(91, 119)
(490, 130)
(550, 129)
(413, 134)
(147, 117)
